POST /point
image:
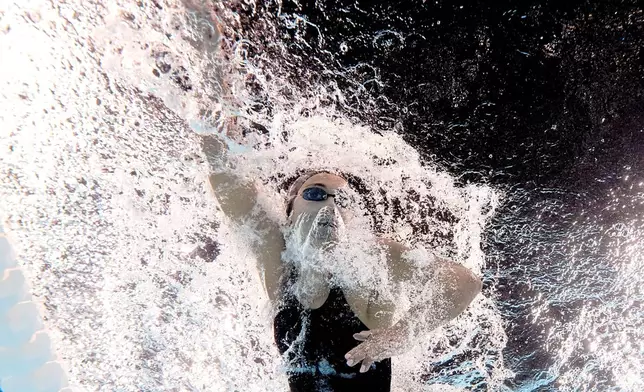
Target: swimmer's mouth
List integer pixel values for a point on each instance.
(326, 219)
(326, 222)
(332, 225)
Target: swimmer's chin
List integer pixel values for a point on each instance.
(322, 231)
(314, 301)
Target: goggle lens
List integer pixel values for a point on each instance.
(315, 194)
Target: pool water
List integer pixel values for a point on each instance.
(508, 138)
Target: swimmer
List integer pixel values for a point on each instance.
(323, 330)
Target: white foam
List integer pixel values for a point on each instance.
(106, 198)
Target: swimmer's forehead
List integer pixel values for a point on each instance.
(328, 180)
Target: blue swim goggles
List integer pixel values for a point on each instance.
(315, 193)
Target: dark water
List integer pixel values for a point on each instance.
(543, 100)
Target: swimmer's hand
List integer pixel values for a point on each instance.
(378, 344)
(218, 145)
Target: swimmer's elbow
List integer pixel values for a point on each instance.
(471, 286)
(476, 286)
(462, 285)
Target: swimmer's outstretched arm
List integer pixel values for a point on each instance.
(237, 197)
(453, 287)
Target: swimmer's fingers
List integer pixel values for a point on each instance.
(356, 355)
(366, 365)
(360, 354)
(362, 336)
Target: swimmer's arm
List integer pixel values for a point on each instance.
(237, 199)
(451, 288)
(268, 250)
(236, 195)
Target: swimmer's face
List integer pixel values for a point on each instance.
(314, 189)
(316, 220)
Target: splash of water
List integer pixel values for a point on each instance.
(102, 187)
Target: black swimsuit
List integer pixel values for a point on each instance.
(314, 342)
